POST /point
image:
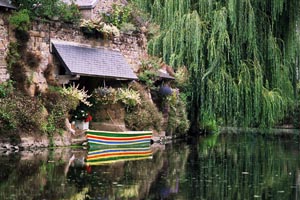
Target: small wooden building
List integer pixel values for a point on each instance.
(86, 7)
(4, 4)
(90, 66)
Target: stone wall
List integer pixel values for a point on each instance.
(104, 6)
(131, 46)
(110, 117)
(41, 33)
(4, 40)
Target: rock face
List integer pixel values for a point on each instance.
(110, 117)
(41, 34)
(4, 41)
(33, 141)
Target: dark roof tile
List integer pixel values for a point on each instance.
(5, 4)
(83, 4)
(165, 75)
(88, 61)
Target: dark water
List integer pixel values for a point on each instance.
(244, 166)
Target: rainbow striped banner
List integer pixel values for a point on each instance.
(128, 138)
(111, 155)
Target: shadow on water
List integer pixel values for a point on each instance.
(220, 166)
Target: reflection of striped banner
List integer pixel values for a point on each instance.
(104, 156)
(118, 138)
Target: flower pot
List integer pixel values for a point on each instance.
(165, 90)
(82, 125)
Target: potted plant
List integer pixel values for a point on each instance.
(82, 119)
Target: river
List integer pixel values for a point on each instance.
(224, 166)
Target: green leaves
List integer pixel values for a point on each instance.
(45, 9)
(20, 20)
(129, 97)
(241, 56)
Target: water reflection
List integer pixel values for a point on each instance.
(217, 167)
(116, 154)
(246, 166)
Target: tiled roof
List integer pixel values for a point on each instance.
(88, 61)
(165, 75)
(5, 4)
(83, 4)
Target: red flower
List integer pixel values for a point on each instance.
(88, 118)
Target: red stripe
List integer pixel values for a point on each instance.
(118, 139)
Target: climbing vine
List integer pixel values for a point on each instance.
(242, 56)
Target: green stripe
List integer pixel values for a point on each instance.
(115, 134)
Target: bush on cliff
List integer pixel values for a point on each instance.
(19, 112)
(144, 116)
(50, 10)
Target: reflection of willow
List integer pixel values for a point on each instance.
(243, 167)
(177, 159)
(34, 175)
(298, 185)
(169, 182)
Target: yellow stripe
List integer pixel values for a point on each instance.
(113, 161)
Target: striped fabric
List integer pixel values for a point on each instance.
(111, 155)
(118, 138)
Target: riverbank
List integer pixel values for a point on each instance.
(279, 131)
(26, 141)
(34, 141)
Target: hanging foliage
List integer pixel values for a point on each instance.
(242, 56)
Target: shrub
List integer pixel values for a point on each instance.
(18, 75)
(82, 114)
(128, 28)
(79, 94)
(105, 95)
(20, 20)
(149, 77)
(13, 55)
(129, 97)
(58, 106)
(45, 9)
(120, 14)
(148, 72)
(6, 89)
(144, 116)
(29, 113)
(99, 28)
(7, 120)
(178, 123)
(69, 13)
(20, 112)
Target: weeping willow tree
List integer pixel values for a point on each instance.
(242, 56)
